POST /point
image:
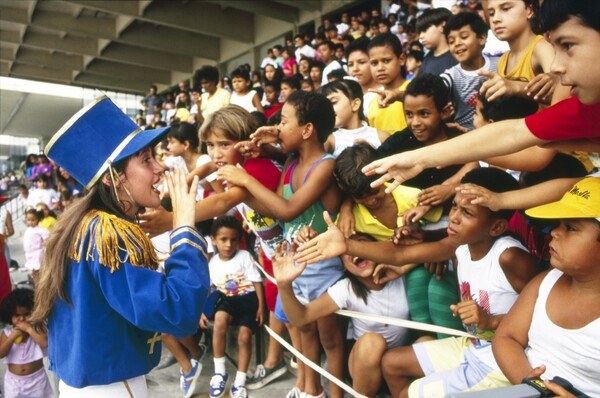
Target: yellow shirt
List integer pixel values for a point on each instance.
(523, 71)
(390, 119)
(406, 198)
(47, 222)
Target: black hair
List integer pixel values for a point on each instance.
(35, 212)
(226, 222)
(66, 194)
(208, 73)
(42, 177)
(364, 23)
(278, 73)
(327, 43)
(348, 170)
(330, 28)
(260, 118)
(432, 16)
(241, 73)
(17, 298)
(314, 108)
(307, 81)
(386, 22)
(278, 47)
(271, 83)
(431, 86)
(495, 180)
(417, 55)
(316, 64)
(456, 22)
(416, 43)
(507, 107)
(183, 131)
(291, 81)
(361, 44)
(350, 88)
(553, 13)
(275, 119)
(299, 36)
(387, 40)
(336, 74)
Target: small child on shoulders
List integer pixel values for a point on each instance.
(552, 330)
(24, 349)
(241, 302)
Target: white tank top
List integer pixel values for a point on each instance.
(573, 354)
(245, 101)
(346, 138)
(484, 281)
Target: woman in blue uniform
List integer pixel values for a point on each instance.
(104, 303)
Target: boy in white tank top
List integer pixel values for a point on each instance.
(553, 328)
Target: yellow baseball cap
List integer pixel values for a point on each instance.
(582, 201)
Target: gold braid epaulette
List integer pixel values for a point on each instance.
(113, 236)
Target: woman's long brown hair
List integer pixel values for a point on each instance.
(51, 285)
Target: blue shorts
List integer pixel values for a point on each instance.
(279, 314)
(317, 278)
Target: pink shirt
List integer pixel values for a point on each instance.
(33, 244)
(27, 351)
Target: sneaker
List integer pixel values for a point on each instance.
(188, 381)
(217, 385)
(321, 395)
(263, 376)
(294, 393)
(239, 392)
(293, 363)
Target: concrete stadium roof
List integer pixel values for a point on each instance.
(128, 45)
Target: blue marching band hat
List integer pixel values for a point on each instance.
(97, 136)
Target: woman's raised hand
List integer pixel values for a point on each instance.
(182, 198)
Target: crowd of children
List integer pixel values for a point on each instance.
(361, 173)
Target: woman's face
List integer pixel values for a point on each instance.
(139, 182)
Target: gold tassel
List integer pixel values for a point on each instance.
(112, 236)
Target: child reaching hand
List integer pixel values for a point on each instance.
(306, 189)
(350, 123)
(492, 270)
(24, 349)
(357, 291)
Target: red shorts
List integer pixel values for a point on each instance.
(270, 288)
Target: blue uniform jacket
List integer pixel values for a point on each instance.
(108, 331)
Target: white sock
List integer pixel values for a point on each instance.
(220, 365)
(240, 379)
